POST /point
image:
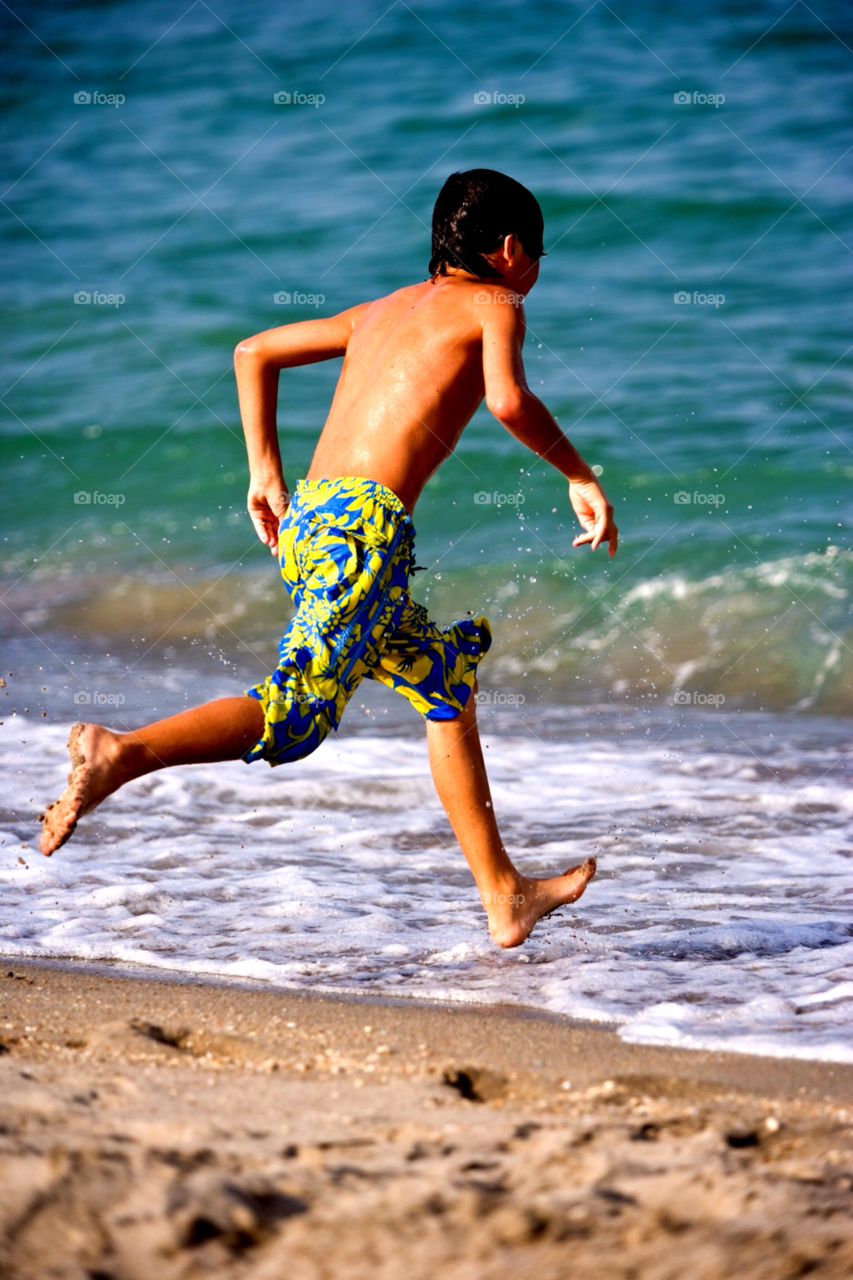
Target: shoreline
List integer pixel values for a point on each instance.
(597, 1043)
(168, 1127)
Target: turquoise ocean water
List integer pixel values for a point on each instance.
(690, 330)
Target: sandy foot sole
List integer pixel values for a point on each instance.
(60, 818)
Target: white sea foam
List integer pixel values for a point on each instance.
(720, 918)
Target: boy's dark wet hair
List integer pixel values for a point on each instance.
(473, 213)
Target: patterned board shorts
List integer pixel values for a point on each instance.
(346, 549)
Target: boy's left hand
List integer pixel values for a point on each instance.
(267, 502)
(594, 513)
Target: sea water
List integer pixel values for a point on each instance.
(720, 917)
(682, 710)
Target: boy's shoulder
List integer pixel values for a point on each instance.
(452, 291)
(459, 309)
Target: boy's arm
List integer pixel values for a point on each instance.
(524, 415)
(257, 362)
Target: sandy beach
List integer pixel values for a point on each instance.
(160, 1128)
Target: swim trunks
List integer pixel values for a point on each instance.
(346, 550)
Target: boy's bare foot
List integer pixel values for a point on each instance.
(94, 754)
(513, 914)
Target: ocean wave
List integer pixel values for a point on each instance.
(774, 635)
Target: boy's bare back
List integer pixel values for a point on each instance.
(412, 378)
(417, 364)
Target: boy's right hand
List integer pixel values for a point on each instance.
(595, 514)
(267, 501)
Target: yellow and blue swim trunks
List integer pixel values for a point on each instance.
(346, 550)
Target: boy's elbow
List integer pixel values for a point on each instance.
(244, 350)
(251, 350)
(508, 407)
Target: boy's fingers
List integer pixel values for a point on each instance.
(599, 532)
(597, 536)
(265, 522)
(260, 527)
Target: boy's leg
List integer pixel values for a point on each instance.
(102, 761)
(513, 902)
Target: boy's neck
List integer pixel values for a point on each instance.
(506, 277)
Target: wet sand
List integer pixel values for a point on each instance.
(160, 1128)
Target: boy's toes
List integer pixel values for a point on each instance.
(579, 877)
(587, 868)
(59, 826)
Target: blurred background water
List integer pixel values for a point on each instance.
(678, 153)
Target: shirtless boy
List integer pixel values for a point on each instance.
(416, 365)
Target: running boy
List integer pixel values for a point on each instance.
(416, 365)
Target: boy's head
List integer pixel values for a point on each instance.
(474, 213)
